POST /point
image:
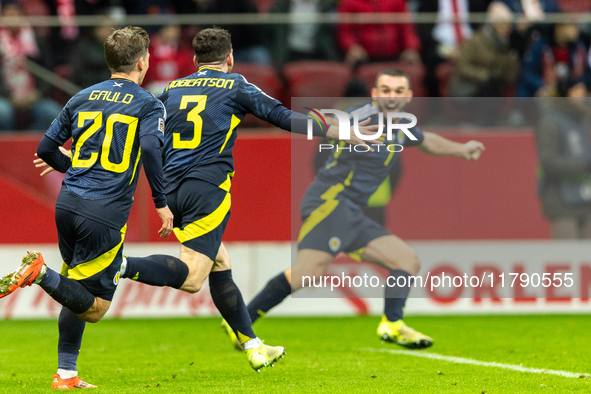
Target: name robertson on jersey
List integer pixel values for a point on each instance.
(203, 82)
(110, 96)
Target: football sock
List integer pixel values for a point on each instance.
(395, 297)
(272, 295)
(157, 270)
(66, 374)
(228, 299)
(48, 279)
(254, 343)
(67, 292)
(71, 328)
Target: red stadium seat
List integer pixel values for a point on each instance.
(575, 5)
(263, 5)
(266, 79)
(416, 73)
(316, 78)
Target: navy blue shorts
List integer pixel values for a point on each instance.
(334, 225)
(92, 252)
(201, 212)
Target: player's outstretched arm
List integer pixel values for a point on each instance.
(298, 123)
(152, 160)
(437, 145)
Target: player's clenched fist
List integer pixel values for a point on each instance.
(472, 150)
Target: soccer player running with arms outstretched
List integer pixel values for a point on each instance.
(108, 122)
(204, 110)
(334, 221)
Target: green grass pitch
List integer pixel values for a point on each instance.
(323, 355)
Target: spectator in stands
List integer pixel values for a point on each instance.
(88, 60)
(168, 60)
(17, 84)
(529, 14)
(302, 41)
(247, 40)
(546, 62)
(441, 41)
(486, 65)
(564, 152)
(377, 42)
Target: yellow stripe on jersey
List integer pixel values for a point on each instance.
(381, 197)
(227, 184)
(235, 122)
(348, 180)
(137, 161)
(206, 224)
(92, 267)
(336, 155)
(389, 159)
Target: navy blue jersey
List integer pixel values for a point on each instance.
(361, 173)
(204, 109)
(105, 122)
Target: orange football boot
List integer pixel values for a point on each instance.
(73, 383)
(24, 275)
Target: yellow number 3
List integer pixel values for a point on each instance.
(192, 116)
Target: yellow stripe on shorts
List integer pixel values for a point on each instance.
(206, 224)
(320, 213)
(92, 267)
(356, 254)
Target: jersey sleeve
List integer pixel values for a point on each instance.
(417, 133)
(253, 100)
(60, 129)
(152, 119)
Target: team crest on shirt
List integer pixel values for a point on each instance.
(334, 244)
(161, 125)
(116, 278)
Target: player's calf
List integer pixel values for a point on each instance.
(156, 270)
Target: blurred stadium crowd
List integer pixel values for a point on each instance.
(513, 52)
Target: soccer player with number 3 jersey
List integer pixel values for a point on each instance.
(204, 110)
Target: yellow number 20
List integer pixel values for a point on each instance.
(97, 121)
(192, 116)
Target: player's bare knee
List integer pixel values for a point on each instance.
(410, 263)
(193, 284)
(94, 318)
(222, 265)
(93, 315)
(192, 287)
(416, 267)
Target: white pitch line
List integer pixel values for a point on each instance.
(462, 360)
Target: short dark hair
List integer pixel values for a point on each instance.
(212, 45)
(393, 72)
(124, 47)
